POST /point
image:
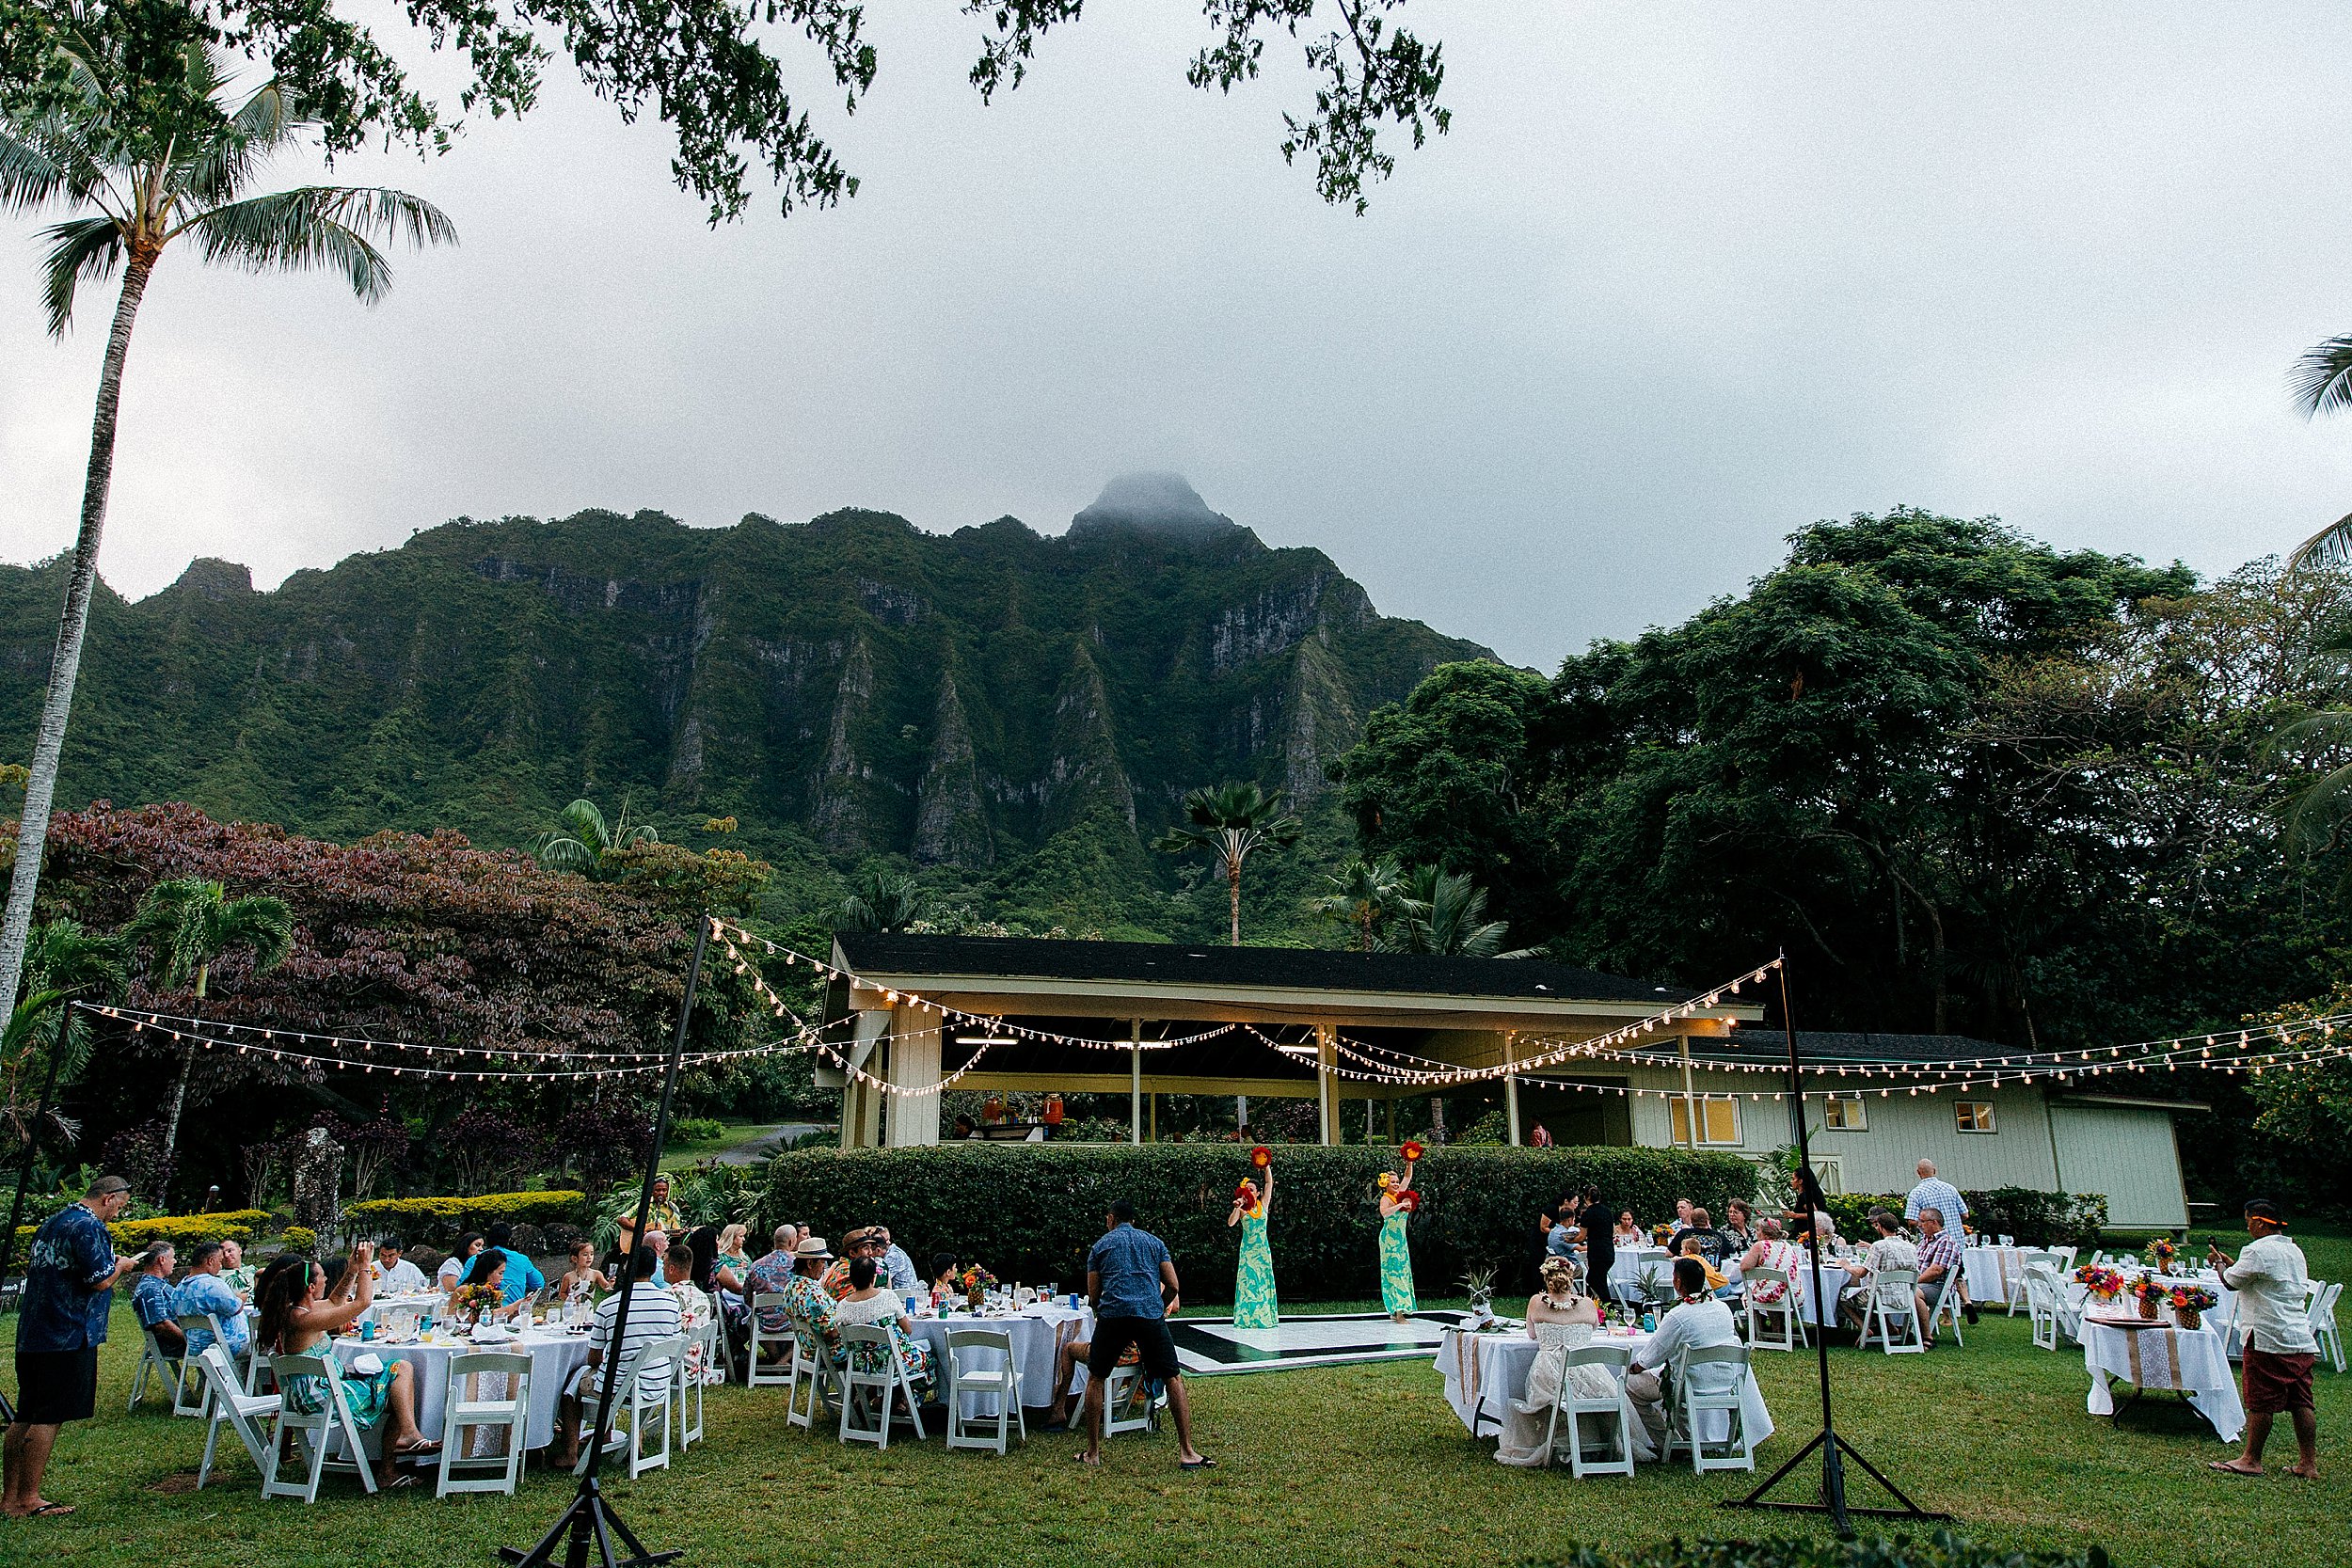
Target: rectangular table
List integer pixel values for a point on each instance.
(2186, 1359)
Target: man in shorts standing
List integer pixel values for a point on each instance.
(1130, 1281)
(2271, 1281)
(69, 1288)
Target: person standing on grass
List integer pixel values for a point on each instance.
(70, 1278)
(1130, 1282)
(2272, 1283)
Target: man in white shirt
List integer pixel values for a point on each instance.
(1700, 1322)
(1891, 1250)
(394, 1273)
(2272, 1283)
(653, 1314)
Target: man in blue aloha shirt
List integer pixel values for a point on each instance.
(154, 1301)
(70, 1278)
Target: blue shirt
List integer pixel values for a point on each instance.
(522, 1278)
(1936, 1193)
(153, 1300)
(208, 1292)
(68, 1278)
(1129, 1262)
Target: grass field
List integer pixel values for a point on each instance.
(1354, 1464)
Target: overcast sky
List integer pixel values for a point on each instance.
(1682, 280)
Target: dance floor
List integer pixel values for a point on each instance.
(1212, 1347)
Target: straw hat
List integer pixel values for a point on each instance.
(812, 1246)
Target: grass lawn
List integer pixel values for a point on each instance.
(1352, 1465)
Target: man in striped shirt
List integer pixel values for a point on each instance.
(653, 1314)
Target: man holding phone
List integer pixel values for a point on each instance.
(69, 1281)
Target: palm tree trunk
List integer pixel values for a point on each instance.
(66, 663)
(180, 1084)
(1232, 885)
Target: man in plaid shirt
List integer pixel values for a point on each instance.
(1939, 1256)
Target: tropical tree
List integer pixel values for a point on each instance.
(189, 924)
(1231, 822)
(882, 900)
(581, 840)
(63, 963)
(1444, 912)
(144, 156)
(1364, 893)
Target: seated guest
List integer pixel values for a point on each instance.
(583, 1280)
(1628, 1233)
(864, 1241)
(1560, 1231)
(234, 1271)
(1738, 1227)
(871, 1301)
(301, 1315)
(1890, 1251)
(653, 1315)
(694, 1305)
(1699, 1322)
(1684, 1208)
(489, 1268)
(1771, 1250)
(1717, 1281)
(1939, 1255)
(523, 1279)
(205, 1291)
(944, 1272)
(394, 1274)
(896, 1267)
(156, 1302)
(732, 1265)
(771, 1275)
(808, 1304)
(1559, 1303)
(1713, 1246)
(452, 1268)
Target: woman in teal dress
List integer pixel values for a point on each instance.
(1253, 1278)
(1397, 1202)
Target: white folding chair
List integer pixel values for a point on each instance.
(692, 1369)
(2063, 1257)
(1691, 1405)
(188, 1392)
(467, 1406)
(1128, 1402)
(1000, 1382)
(1888, 1312)
(2026, 1258)
(2323, 1319)
(2043, 1297)
(1759, 1314)
(815, 1369)
(330, 1435)
(252, 1416)
(887, 1385)
(642, 1394)
(765, 1373)
(158, 1364)
(1944, 1307)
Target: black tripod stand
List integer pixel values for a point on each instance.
(1834, 1450)
(588, 1517)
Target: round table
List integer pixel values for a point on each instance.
(1037, 1332)
(554, 1355)
(1485, 1372)
(1624, 1275)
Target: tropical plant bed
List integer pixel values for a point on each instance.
(1340, 1466)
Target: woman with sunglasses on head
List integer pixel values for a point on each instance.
(301, 1316)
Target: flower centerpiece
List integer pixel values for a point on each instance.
(473, 1305)
(2160, 1255)
(975, 1282)
(2102, 1282)
(2149, 1293)
(2189, 1303)
(1660, 1233)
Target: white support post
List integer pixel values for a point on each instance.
(1689, 1105)
(1135, 1091)
(1511, 1083)
(1326, 1082)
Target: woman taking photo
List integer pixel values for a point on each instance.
(300, 1317)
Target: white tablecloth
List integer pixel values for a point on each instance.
(1994, 1274)
(552, 1358)
(1624, 1275)
(2190, 1360)
(1037, 1333)
(1485, 1372)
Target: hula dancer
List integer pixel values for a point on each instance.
(1398, 1200)
(1254, 1305)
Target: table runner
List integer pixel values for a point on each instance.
(2188, 1360)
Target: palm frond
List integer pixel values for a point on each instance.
(81, 249)
(315, 226)
(2322, 380)
(31, 173)
(2330, 546)
(259, 923)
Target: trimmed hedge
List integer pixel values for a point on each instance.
(442, 1220)
(181, 1231)
(1031, 1211)
(1941, 1550)
(2036, 1218)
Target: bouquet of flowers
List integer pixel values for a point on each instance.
(975, 1279)
(2189, 1303)
(474, 1304)
(1261, 1156)
(1412, 1151)
(2160, 1255)
(1660, 1233)
(2102, 1282)
(2148, 1292)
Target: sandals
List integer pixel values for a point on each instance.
(53, 1510)
(1204, 1463)
(400, 1478)
(418, 1449)
(2232, 1467)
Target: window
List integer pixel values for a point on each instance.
(1842, 1113)
(1974, 1115)
(1718, 1118)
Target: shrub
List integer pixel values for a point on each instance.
(299, 1241)
(442, 1220)
(1941, 1550)
(181, 1231)
(1031, 1211)
(2035, 1218)
(697, 1129)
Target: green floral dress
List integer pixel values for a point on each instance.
(1396, 1265)
(1253, 1283)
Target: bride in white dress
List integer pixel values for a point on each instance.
(1560, 1319)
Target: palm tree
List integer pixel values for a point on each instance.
(882, 900)
(1362, 893)
(580, 839)
(63, 962)
(1444, 912)
(188, 923)
(1231, 822)
(145, 161)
